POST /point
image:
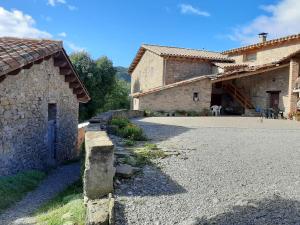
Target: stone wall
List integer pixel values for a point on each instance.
(24, 100)
(148, 73)
(179, 70)
(105, 117)
(179, 98)
(269, 54)
(256, 87)
(98, 176)
(81, 136)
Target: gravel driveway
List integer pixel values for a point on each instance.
(231, 170)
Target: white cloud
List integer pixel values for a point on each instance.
(189, 9)
(278, 20)
(62, 34)
(74, 47)
(72, 7)
(15, 23)
(53, 3)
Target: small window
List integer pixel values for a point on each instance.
(195, 96)
(250, 57)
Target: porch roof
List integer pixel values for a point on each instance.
(242, 71)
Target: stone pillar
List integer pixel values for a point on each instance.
(99, 169)
(293, 75)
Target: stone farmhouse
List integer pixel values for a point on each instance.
(39, 99)
(242, 80)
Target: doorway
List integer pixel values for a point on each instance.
(274, 99)
(52, 114)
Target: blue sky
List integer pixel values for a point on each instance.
(117, 28)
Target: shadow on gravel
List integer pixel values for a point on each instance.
(161, 132)
(151, 182)
(264, 212)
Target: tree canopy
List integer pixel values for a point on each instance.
(99, 77)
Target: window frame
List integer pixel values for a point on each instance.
(246, 57)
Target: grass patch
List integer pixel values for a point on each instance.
(129, 142)
(144, 155)
(66, 206)
(13, 188)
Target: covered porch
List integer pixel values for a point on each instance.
(254, 91)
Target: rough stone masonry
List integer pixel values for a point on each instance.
(24, 100)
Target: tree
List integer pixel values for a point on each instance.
(118, 98)
(99, 79)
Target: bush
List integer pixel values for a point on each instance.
(181, 112)
(120, 122)
(193, 113)
(205, 112)
(148, 113)
(133, 132)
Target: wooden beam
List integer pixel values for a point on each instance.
(15, 72)
(70, 78)
(246, 74)
(82, 95)
(28, 66)
(65, 71)
(2, 78)
(74, 85)
(39, 61)
(77, 91)
(48, 57)
(60, 63)
(58, 55)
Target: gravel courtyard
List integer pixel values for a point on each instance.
(231, 170)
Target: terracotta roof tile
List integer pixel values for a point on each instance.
(180, 83)
(185, 52)
(263, 44)
(15, 53)
(178, 52)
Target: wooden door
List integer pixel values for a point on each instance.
(52, 138)
(274, 100)
(52, 130)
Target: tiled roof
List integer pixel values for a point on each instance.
(230, 66)
(180, 83)
(257, 68)
(185, 52)
(264, 44)
(166, 51)
(17, 53)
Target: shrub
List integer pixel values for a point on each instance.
(148, 113)
(205, 112)
(193, 113)
(120, 122)
(181, 112)
(133, 132)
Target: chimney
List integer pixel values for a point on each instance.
(263, 37)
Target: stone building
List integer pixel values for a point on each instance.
(242, 80)
(39, 98)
